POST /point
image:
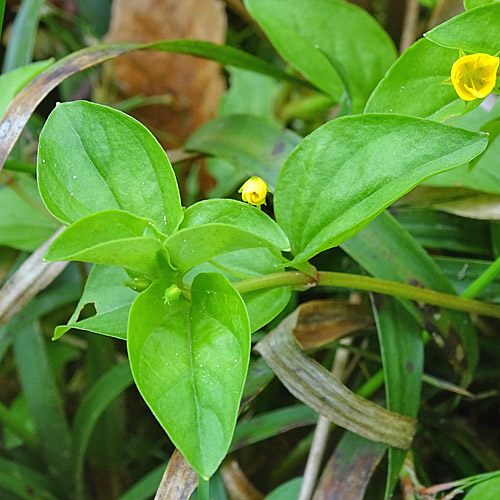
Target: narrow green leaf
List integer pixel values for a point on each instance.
(192, 383)
(387, 251)
(415, 87)
(24, 481)
(146, 487)
(477, 30)
(21, 44)
(13, 81)
(112, 299)
(95, 402)
(114, 238)
(402, 349)
(44, 403)
(255, 145)
(367, 156)
(272, 423)
(344, 32)
(237, 214)
(443, 231)
(463, 272)
(22, 107)
(25, 223)
(93, 158)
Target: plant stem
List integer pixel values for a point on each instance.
(203, 488)
(298, 279)
(478, 285)
(20, 166)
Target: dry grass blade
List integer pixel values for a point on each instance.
(315, 386)
(178, 481)
(31, 277)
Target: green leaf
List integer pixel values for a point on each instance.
(44, 403)
(472, 4)
(105, 289)
(13, 81)
(309, 34)
(255, 145)
(415, 85)
(272, 423)
(438, 230)
(262, 305)
(487, 490)
(189, 361)
(482, 174)
(114, 238)
(387, 251)
(25, 223)
(346, 172)
(24, 105)
(249, 93)
(93, 158)
(402, 349)
(146, 487)
(237, 214)
(286, 491)
(21, 44)
(193, 245)
(103, 392)
(476, 30)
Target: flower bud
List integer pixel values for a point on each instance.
(254, 191)
(474, 76)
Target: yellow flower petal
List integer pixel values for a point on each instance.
(474, 76)
(254, 191)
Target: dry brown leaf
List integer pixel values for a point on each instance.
(323, 321)
(315, 386)
(444, 10)
(178, 481)
(237, 484)
(195, 85)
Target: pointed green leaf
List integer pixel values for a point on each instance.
(114, 238)
(402, 349)
(189, 361)
(472, 4)
(310, 33)
(106, 290)
(346, 172)
(415, 87)
(237, 214)
(477, 30)
(487, 490)
(93, 158)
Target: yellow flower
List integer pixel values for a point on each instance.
(474, 76)
(254, 191)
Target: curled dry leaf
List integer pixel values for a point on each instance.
(323, 321)
(315, 386)
(194, 85)
(178, 481)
